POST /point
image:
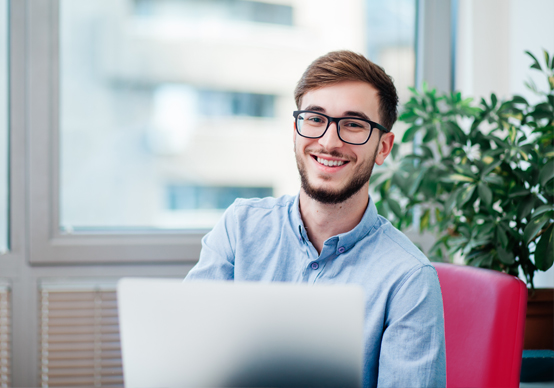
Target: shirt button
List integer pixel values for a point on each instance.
(314, 265)
(341, 249)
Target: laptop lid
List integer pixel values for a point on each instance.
(233, 334)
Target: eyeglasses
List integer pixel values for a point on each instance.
(351, 130)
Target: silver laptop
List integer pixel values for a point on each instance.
(238, 334)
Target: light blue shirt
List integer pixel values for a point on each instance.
(265, 240)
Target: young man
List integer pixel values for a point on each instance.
(331, 232)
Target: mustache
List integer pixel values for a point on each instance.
(333, 153)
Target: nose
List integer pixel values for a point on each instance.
(330, 140)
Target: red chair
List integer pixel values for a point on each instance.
(484, 319)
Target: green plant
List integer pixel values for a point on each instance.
(480, 178)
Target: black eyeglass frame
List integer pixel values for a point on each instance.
(336, 120)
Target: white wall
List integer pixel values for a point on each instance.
(492, 38)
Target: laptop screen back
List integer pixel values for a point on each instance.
(231, 334)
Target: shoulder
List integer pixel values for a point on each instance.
(259, 221)
(403, 269)
(394, 240)
(252, 211)
(398, 260)
(263, 205)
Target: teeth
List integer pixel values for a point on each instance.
(330, 163)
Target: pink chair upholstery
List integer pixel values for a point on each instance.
(484, 315)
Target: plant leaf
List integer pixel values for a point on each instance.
(395, 207)
(535, 65)
(547, 172)
(431, 134)
(491, 167)
(459, 178)
(543, 209)
(519, 100)
(425, 218)
(501, 238)
(493, 179)
(408, 116)
(533, 228)
(455, 132)
(525, 207)
(410, 133)
(505, 256)
(417, 182)
(544, 253)
(518, 192)
(466, 195)
(449, 204)
(485, 194)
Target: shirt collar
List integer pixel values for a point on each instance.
(346, 240)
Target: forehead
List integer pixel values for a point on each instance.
(342, 97)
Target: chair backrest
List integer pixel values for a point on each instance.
(484, 318)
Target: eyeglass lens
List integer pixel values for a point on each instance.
(350, 130)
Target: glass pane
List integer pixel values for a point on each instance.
(171, 109)
(391, 40)
(4, 145)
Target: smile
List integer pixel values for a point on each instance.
(330, 163)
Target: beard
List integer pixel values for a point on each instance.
(359, 178)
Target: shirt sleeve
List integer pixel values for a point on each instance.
(217, 257)
(413, 349)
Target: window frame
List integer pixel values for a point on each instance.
(5, 164)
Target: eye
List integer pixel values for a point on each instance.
(354, 124)
(316, 119)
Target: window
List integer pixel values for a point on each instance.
(141, 106)
(391, 40)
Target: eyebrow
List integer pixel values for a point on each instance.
(350, 113)
(315, 108)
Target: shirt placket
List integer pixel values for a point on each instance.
(317, 263)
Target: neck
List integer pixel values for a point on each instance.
(326, 220)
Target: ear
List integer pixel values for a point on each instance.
(294, 132)
(386, 142)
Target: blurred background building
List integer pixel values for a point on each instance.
(171, 109)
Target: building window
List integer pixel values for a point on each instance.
(189, 197)
(222, 103)
(239, 10)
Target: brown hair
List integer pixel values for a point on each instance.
(338, 66)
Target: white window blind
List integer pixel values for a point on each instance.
(5, 337)
(79, 336)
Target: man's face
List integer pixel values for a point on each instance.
(332, 171)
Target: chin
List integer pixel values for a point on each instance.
(329, 196)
